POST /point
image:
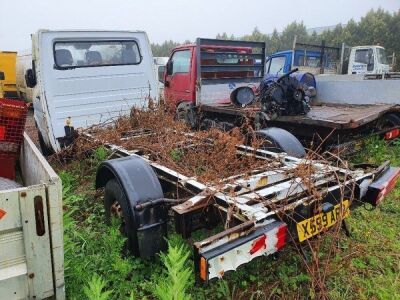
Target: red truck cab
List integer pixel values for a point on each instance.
(224, 64)
(180, 75)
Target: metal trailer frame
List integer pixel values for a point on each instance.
(257, 204)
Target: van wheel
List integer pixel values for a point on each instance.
(46, 151)
(279, 140)
(116, 206)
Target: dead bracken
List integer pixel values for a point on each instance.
(208, 155)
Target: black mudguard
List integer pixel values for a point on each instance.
(282, 140)
(140, 184)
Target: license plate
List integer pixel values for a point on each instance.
(318, 223)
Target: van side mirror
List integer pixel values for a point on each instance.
(161, 71)
(30, 78)
(169, 67)
(2, 77)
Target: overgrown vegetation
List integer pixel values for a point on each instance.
(364, 266)
(177, 275)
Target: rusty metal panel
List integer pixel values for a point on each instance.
(340, 115)
(228, 254)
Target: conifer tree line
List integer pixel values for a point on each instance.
(376, 27)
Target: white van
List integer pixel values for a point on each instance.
(82, 78)
(24, 62)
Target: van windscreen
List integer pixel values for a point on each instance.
(78, 54)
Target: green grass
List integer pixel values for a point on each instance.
(364, 266)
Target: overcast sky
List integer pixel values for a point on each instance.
(178, 20)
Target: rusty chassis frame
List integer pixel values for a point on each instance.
(259, 208)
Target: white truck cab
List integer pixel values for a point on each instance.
(368, 60)
(81, 78)
(160, 65)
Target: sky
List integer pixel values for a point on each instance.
(176, 20)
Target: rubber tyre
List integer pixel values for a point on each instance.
(389, 120)
(46, 151)
(279, 140)
(113, 192)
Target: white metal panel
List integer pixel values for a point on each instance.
(232, 259)
(220, 93)
(16, 286)
(13, 279)
(354, 89)
(90, 95)
(37, 248)
(31, 266)
(25, 258)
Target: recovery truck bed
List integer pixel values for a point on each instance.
(335, 116)
(262, 209)
(347, 122)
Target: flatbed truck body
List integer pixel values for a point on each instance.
(336, 124)
(31, 231)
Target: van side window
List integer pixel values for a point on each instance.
(80, 54)
(361, 56)
(365, 56)
(181, 61)
(277, 65)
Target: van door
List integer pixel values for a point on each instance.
(363, 61)
(177, 86)
(90, 77)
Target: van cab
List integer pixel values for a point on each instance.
(82, 78)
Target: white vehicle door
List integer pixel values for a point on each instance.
(90, 77)
(363, 61)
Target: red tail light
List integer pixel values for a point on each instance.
(392, 134)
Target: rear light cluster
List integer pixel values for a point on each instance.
(392, 134)
(12, 123)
